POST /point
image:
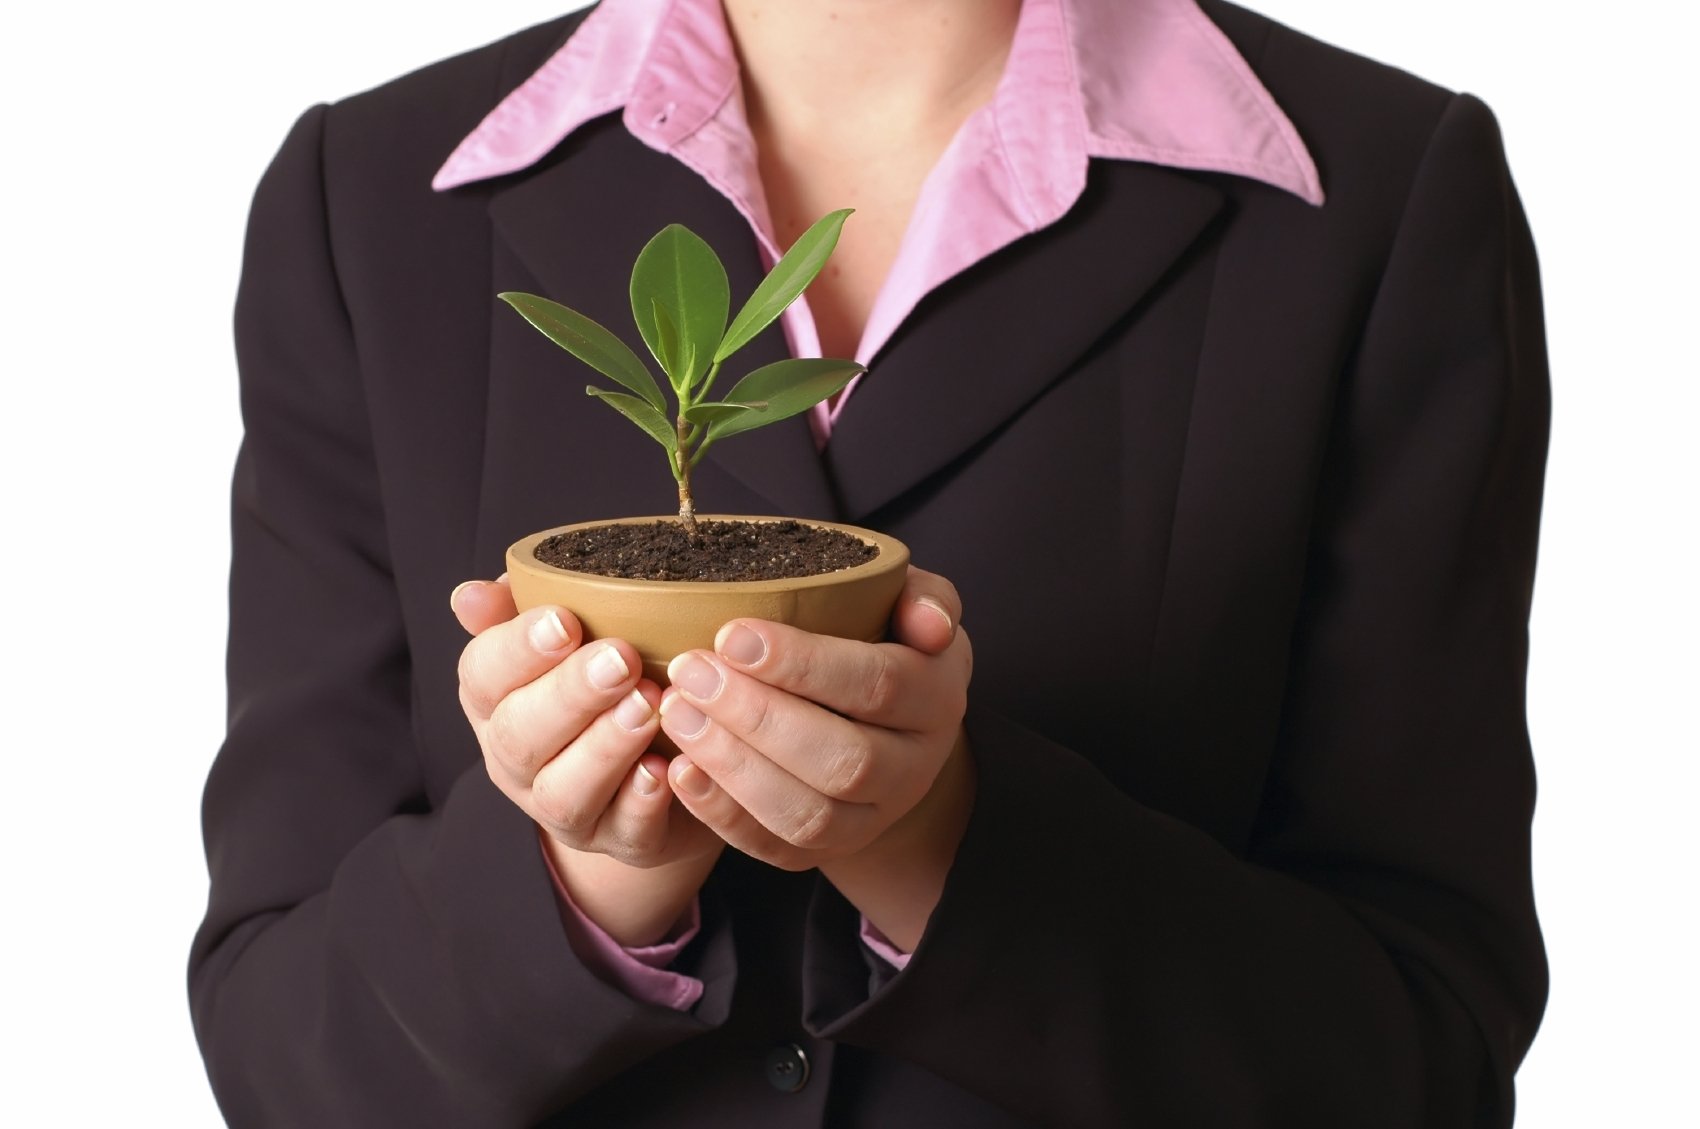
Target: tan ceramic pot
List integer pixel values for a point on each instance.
(663, 618)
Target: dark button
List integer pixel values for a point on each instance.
(787, 1068)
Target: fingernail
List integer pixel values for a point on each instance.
(548, 634)
(454, 596)
(607, 668)
(937, 609)
(501, 578)
(644, 781)
(694, 675)
(633, 713)
(741, 645)
(692, 781)
(682, 719)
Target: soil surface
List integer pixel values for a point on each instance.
(721, 550)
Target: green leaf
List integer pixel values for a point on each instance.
(666, 344)
(787, 387)
(654, 424)
(713, 413)
(790, 276)
(589, 342)
(680, 273)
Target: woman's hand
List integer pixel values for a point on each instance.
(808, 751)
(565, 731)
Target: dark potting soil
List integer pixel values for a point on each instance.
(721, 550)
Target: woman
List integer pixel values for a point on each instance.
(1206, 380)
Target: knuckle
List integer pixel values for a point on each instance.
(606, 750)
(570, 691)
(733, 824)
(811, 827)
(504, 739)
(879, 689)
(714, 815)
(564, 692)
(555, 805)
(790, 661)
(756, 716)
(850, 774)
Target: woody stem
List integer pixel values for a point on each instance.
(682, 471)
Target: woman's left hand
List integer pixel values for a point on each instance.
(807, 751)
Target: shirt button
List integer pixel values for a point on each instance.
(787, 1068)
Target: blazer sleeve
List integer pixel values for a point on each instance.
(1373, 957)
(369, 956)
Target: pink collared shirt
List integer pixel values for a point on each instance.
(1137, 80)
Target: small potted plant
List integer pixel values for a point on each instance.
(667, 584)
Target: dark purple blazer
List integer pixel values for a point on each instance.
(1242, 498)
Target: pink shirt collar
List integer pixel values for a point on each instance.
(1140, 80)
(1143, 80)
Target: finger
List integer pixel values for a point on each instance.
(634, 828)
(786, 806)
(481, 604)
(508, 655)
(828, 753)
(927, 612)
(572, 790)
(713, 807)
(884, 684)
(535, 722)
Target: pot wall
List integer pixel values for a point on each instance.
(665, 618)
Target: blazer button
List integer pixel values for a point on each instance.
(787, 1068)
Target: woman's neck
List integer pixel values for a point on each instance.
(898, 65)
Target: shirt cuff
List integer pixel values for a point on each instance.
(641, 972)
(880, 945)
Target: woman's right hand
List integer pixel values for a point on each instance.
(565, 731)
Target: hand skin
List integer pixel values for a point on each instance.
(565, 732)
(808, 751)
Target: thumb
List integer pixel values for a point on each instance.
(927, 612)
(481, 604)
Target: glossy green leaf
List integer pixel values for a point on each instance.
(665, 346)
(589, 342)
(654, 424)
(787, 387)
(790, 276)
(680, 273)
(714, 413)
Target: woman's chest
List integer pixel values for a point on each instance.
(881, 183)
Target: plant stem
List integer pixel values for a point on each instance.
(682, 471)
(707, 383)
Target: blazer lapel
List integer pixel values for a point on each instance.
(981, 348)
(976, 353)
(577, 222)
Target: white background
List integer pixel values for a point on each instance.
(132, 137)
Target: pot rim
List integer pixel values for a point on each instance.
(892, 554)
